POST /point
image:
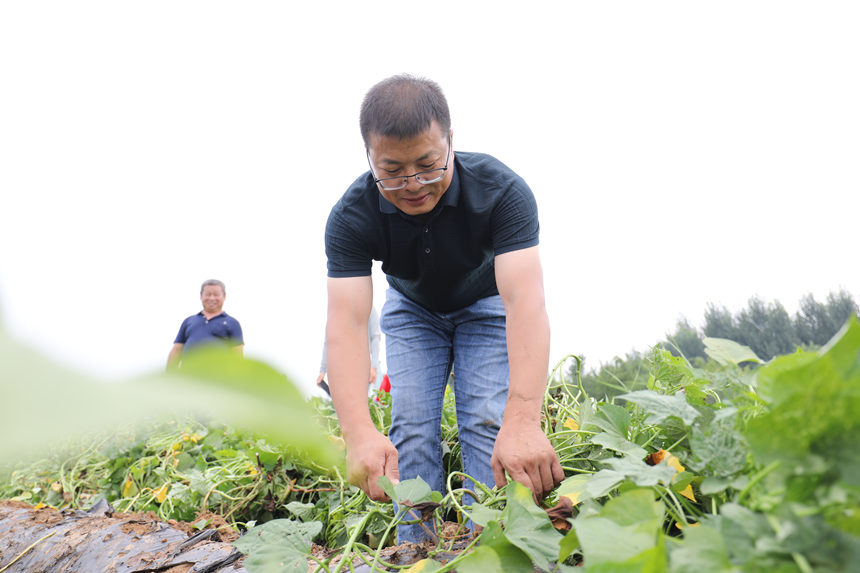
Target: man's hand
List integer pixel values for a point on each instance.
(527, 455)
(174, 356)
(370, 455)
(372, 376)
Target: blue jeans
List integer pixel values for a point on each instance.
(421, 349)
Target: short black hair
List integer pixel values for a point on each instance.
(403, 106)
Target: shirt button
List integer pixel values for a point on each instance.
(427, 251)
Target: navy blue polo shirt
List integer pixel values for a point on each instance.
(197, 330)
(442, 260)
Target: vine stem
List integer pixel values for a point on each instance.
(20, 555)
(757, 478)
(801, 561)
(359, 529)
(391, 524)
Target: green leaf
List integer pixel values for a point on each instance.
(635, 507)
(574, 487)
(626, 528)
(496, 554)
(602, 482)
(268, 459)
(483, 515)
(528, 527)
(616, 443)
(612, 418)
(301, 510)
(218, 385)
(641, 473)
(728, 352)
(604, 541)
(718, 448)
(742, 531)
(568, 544)
(660, 407)
(651, 560)
(198, 483)
(411, 490)
(813, 408)
(280, 545)
(712, 484)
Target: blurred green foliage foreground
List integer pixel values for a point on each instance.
(43, 404)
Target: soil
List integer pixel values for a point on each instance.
(45, 539)
(35, 540)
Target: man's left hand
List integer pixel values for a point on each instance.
(526, 454)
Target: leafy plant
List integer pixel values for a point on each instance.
(730, 465)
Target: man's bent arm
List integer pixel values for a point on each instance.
(174, 356)
(369, 454)
(522, 449)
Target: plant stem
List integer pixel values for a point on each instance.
(757, 478)
(32, 545)
(347, 549)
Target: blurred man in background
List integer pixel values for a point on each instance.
(210, 326)
(373, 336)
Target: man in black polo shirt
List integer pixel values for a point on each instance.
(209, 326)
(457, 236)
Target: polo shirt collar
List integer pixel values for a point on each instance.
(451, 198)
(216, 316)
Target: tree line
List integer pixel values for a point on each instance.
(766, 327)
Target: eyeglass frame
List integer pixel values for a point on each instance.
(406, 177)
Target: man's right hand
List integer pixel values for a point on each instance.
(370, 455)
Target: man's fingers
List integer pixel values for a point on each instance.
(524, 478)
(539, 478)
(373, 457)
(557, 471)
(375, 492)
(547, 478)
(391, 469)
(498, 472)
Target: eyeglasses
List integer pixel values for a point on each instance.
(423, 177)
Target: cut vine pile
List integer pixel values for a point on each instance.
(729, 465)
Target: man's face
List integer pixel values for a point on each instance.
(212, 298)
(392, 157)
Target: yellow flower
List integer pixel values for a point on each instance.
(129, 488)
(675, 464)
(161, 494)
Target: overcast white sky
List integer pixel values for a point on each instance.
(681, 153)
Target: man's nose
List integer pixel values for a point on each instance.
(412, 185)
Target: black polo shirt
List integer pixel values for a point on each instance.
(442, 260)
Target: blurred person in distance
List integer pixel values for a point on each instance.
(209, 326)
(373, 336)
